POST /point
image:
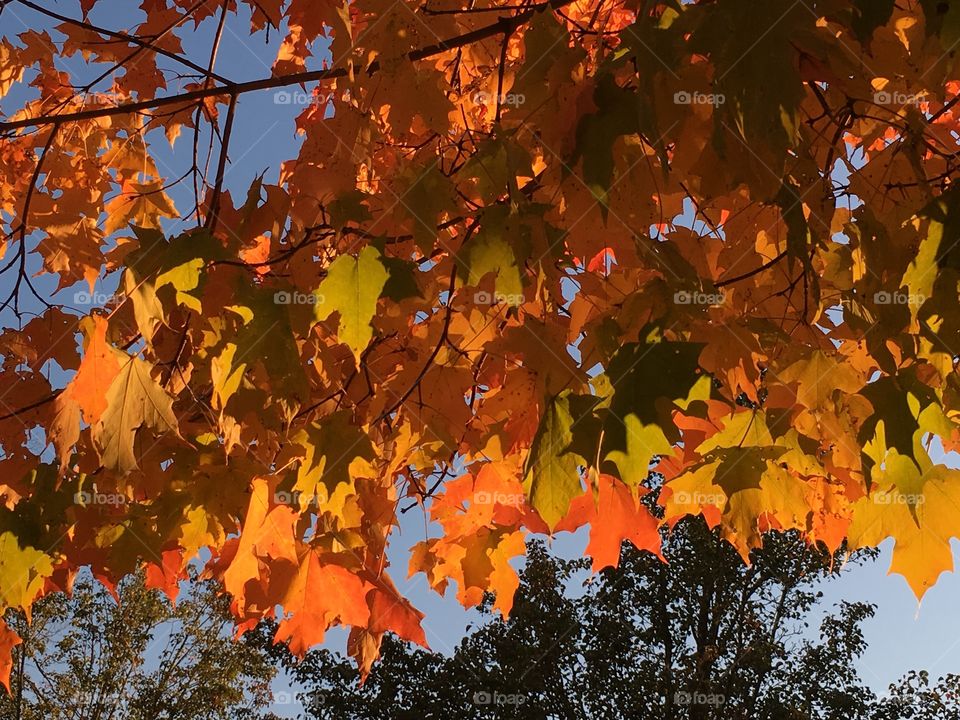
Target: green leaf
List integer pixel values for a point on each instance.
(264, 334)
(158, 263)
(331, 446)
(552, 473)
(673, 364)
(352, 288)
(489, 251)
(892, 398)
(943, 19)
(868, 15)
(643, 443)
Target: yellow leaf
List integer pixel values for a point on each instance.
(140, 204)
(134, 401)
(22, 573)
(351, 288)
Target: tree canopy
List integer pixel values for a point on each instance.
(525, 254)
(134, 656)
(700, 637)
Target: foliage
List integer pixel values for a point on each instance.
(525, 253)
(702, 636)
(133, 657)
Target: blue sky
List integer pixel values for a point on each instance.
(902, 636)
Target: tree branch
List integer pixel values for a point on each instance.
(751, 273)
(132, 39)
(502, 26)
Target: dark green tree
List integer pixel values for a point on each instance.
(701, 637)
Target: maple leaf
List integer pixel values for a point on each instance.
(12, 70)
(135, 401)
(351, 289)
(73, 251)
(335, 450)
(541, 247)
(140, 204)
(918, 509)
(490, 251)
(643, 443)
(8, 641)
(165, 575)
(614, 513)
(321, 594)
(818, 378)
(22, 572)
(477, 562)
(87, 392)
(267, 535)
(552, 476)
(389, 611)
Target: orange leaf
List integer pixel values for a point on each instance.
(86, 393)
(321, 594)
(8, 641)
(267, 535)
(165, 575)
(614, 515)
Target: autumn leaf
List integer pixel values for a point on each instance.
(321, 594)
(135, 401)
(165, 575)
(614, 513)
(268, 535)
(8, 641)
(477, 563)
(552, 475)
(643, 443)
(919, 510)
(389, 611)
(22, 573)
(334, 450)
(517, 269)
(490, 251)
(351, 289)
(140, 204)
(86, 393)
